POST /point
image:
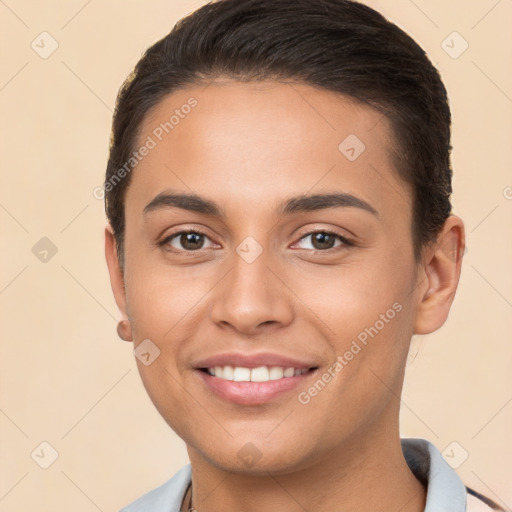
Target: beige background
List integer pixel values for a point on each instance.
(66, 378)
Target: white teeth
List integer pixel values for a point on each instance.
(240, 374)
(228, 373)
(259, 374)
(276, 372)
(289, 372)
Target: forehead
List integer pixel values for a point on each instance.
(245, 143)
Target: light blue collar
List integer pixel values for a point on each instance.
(445, 490)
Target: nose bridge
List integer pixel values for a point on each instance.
(250, 294)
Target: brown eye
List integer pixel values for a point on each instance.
(324, 240)
(185, 241)
(191, 241)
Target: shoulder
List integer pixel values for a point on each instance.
(445, 489)
(477, 502)
(165, 498)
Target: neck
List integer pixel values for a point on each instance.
(367, 473)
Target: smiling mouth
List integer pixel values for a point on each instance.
(258, 374)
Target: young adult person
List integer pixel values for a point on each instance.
(278, 197)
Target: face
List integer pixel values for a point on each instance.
(295, 251)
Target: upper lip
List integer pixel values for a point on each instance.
(253, 360)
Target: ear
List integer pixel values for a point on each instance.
(117, 283)
(439, 276)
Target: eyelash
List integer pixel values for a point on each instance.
(345, 241)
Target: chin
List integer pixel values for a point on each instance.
(252, 459)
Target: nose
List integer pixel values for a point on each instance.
(252, 296)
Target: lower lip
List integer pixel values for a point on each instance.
(252, 393)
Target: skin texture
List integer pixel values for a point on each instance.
(249, 147)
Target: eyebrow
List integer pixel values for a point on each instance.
(303, 203)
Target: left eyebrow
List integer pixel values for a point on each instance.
(306, 203)
(302, 203)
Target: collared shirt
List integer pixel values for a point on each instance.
(445, 490)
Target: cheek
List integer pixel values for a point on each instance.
(163, 386)
(160, 298)
(349, 297)
(366, 314)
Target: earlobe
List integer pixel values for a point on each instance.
(117, 282)
(440, 277)
(124, 330)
